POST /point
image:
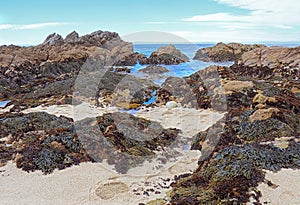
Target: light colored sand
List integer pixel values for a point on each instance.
(90, 184)
(190, 121)
(288, 190)
(97, 183)
(77, 112)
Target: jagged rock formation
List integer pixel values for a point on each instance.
(29, 75)
(53, 39)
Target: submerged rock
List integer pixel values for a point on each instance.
(154, 69)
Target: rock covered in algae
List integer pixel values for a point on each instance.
(123, 139)
(40, 141)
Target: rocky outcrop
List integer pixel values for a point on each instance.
(271, 57)
(167, 55)
(73, 47)
(24, 69)
(224, 52)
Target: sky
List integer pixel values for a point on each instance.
(28, 22)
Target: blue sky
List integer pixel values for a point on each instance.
(30, 21)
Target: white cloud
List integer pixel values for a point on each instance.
(279, 14)
(284, 26)
(239, 36)
(216, 17)
(30, 26)
(6, 26)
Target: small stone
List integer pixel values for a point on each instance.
(171, 104)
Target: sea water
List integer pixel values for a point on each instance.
(181, 70)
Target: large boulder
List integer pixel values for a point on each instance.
(167, 55)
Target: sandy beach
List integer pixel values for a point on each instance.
(81, 184)
(97, 183)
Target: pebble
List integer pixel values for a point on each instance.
(171, 104)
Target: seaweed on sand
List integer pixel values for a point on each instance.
(40, 141)
(124, 140)
(231, 174)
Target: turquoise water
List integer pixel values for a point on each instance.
(181, 70)
(152, 99)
